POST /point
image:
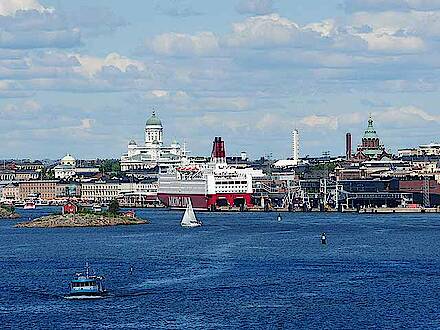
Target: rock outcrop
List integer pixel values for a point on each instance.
(81, 220)
(7, 212)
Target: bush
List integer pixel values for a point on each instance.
(10, 209)
(113, 207)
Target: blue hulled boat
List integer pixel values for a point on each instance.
(85, 285)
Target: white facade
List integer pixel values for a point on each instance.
(432, 149)
(295, 146)
(106, 191)
(153, 152)
(99, 191)
(67, 169)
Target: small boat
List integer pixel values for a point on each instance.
(41, 202)
(29, 206)
(189, 219)
(97, 208)
(323, 239)
(86, 286)
(279, 217)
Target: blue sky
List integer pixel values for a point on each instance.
(82, 76)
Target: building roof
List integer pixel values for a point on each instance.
(153, 120)
(285, 163)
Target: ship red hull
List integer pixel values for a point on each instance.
(204, 202)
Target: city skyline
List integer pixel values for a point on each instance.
(83, 77)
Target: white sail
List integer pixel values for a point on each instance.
(189, 218)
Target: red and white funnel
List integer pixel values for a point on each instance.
(218, 154)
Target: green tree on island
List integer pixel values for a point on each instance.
(113, 207)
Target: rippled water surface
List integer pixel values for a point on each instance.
(239, 270)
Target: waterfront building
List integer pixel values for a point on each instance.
(152, 154)
(102, 191)
(7, 175)
(372, 168)
(68, 189)
(25, 175)
(11, 192)
(43, 189)
(37, 165)
(129, 191)
(431, 149)
(371, 147)
(138, 193)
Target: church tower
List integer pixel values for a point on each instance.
(153, 132)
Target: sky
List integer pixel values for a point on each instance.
(82, 77)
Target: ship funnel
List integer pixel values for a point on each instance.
(218, 154)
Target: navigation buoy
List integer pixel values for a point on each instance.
(323, 239)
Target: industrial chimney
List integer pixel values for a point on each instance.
(348, 146)
(295, 146)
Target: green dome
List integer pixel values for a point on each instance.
(370, 132)
(153, 120)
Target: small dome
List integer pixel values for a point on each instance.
(132, 143)
(68, 160)
(153, 120)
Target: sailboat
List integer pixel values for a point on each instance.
(189, 218)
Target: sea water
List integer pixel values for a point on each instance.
(239, 270)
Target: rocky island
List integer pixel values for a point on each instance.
(81, 220)
(8, 212)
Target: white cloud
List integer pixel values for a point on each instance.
(86, 123)
(269, 120)
(219, 121)
(411, 23)
(178, 44)
(325, 122)
(255, 7)
(24, 110)
(10, 7)
(176, 8)
(182, 101)
(325, 28)
(90, 65)
(391, 5)
(159, 93)
(263, 31)
(383, 42)
(274, 32)
(407, 115)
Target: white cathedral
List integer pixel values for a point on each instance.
(153, 153)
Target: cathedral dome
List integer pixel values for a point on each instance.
(370, 132)
(153, 120)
